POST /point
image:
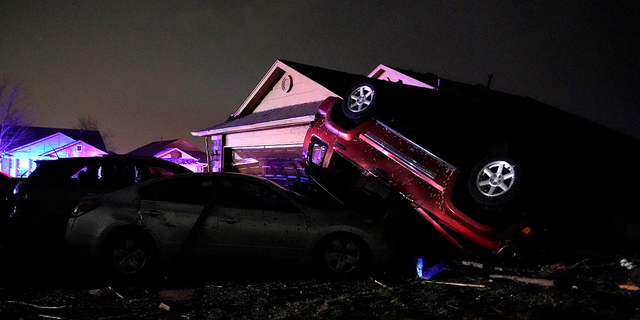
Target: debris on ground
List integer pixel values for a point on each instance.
(595, 288)
(540, 282)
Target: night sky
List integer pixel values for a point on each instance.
(151, 70)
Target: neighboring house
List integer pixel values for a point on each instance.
(264, 136)
(177, 151)
(22, 146)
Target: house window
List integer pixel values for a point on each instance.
(22, 166)
(79, 148)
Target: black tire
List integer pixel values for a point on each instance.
(129, 255)
(495, 182)
(360, 101)
(343, 255)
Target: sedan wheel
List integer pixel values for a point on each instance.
(342, 256)
(128, 255)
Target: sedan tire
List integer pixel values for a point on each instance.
(343, 255)
(129, 255)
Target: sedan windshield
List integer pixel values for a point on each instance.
(310, 193)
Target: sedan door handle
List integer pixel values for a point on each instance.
(153, 213)
(230, 220)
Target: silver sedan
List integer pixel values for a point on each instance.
(219, 216)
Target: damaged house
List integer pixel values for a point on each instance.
(264, 136)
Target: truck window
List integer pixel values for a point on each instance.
(341, 173)
(317, 151)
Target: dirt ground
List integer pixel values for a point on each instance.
(599, 287)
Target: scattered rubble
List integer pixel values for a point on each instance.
(592, 288)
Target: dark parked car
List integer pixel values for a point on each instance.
(485, 169)
(224, 216)
(7, 184)
(45, 200)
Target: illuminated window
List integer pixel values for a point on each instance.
(22, 166)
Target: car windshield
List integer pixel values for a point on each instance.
(370, 200)
(310, 193)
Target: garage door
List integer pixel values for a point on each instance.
(271, 162)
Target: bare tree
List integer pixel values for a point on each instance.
(87, 122)
(14, 124)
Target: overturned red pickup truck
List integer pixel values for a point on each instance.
(484, 168)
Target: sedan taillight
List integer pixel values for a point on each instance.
(85, 206)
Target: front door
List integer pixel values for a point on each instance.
(180, 212)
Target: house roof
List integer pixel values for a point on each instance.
(20, 136)
(156, 147)
(291, 115)
(337, 82)
(437, 82)
(54, 152)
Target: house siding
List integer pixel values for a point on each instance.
(277, 136)
(385, 73)
(302, 90)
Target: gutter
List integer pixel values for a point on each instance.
(257, 126)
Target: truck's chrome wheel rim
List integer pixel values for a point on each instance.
(495, 178)
(360, 99)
